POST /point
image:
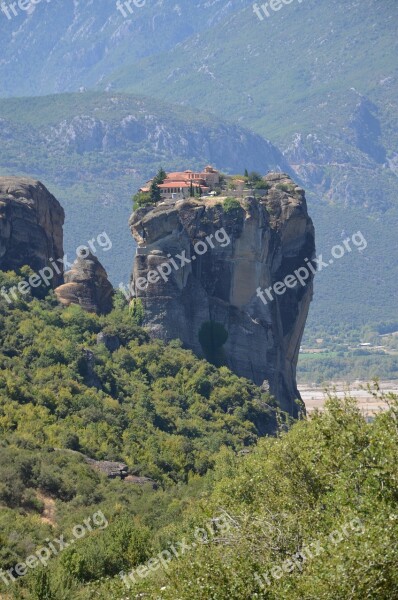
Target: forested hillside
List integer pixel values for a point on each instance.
(223, 515)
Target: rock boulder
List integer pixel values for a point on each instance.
(87, 285)
(31, 222)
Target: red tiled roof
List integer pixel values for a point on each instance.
(176, 176)
(178, 184)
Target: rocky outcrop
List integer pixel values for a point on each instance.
(109, 468)
(112, 469)
(87, 285)
(211, 303)
(224, 144)
(31, 222)
(116, 470)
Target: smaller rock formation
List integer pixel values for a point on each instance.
(111, 469)
(87, 285)
(31, 222)
(87, 369)
(115, 470)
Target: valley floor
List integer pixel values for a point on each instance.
(314, 396)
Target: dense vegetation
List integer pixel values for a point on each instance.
(242, 506)
(64, 396)
(141, 403)
(326, 489)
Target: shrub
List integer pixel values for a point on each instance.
(231, 205)
(285, 187)
(261, 185)
(142, 199)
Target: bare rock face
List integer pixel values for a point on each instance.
(87, 285)
(211, 302)
(31, 222)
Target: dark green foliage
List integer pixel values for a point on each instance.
(155, 192)
(142, 199)
(139, 404)
(161, 176)
(182, 421)
(41, 589)
(255, 177)
(232, 206)
(327, 485)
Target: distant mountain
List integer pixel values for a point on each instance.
(94, 150)
(59, 46)
(317, 78)
(320, 79)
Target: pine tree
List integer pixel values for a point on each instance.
(161, 176)
(155, 192)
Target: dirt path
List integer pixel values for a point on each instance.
(48, 514)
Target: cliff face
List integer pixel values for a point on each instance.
(211, 303)
(87, 285)
(31, 222)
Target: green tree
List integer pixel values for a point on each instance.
(161, 176)
(155, 193)
(141, 199)
(41, 589)
(254, 176)
(232, 206)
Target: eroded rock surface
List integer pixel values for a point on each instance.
(214, 296)
(31, 222)
(87, 285)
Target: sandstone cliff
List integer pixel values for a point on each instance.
(87, 285)
(211, 303)
(31, 222)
